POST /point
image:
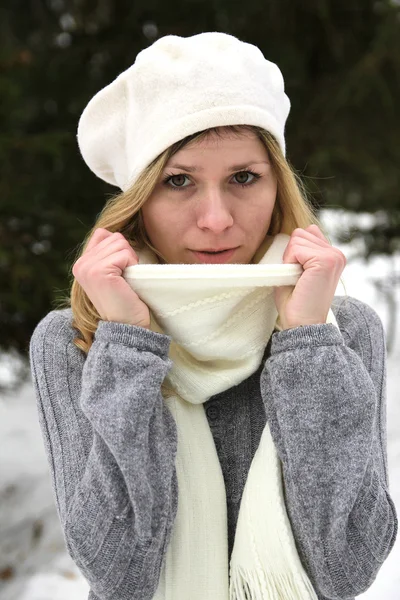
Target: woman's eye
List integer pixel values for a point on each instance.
(177, 180)
(242, 177)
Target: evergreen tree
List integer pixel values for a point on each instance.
(341, 64)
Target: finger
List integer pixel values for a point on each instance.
(105, 242)
(97, 236)
(312, 232)
(312, 243)
(299, 235)
(331, 250)
(292, 253)
(296, 252)
(121, 259)
(108, 247)
(305, 253)
(317, 231)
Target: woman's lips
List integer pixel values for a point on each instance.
(215, 258)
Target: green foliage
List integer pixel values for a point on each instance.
(341, 63)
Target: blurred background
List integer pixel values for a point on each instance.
(341, 64)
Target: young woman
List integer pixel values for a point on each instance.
(225, 440)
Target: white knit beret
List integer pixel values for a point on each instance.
(176, 87)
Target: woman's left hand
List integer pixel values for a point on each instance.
(309, 301)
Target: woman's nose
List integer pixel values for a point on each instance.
(214, 212)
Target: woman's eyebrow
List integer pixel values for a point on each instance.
(194, 168)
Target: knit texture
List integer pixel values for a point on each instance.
(218, 340)
(111, 444)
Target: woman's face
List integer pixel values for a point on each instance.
(214, 194)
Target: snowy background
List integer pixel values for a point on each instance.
(33, 561)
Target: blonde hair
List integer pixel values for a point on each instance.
(122, 213)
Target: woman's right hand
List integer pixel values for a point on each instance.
(99, 272)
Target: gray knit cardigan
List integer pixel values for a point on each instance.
(111, 444)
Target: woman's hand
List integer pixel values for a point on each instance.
(309, 301)
(99, 272)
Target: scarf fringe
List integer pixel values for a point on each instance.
(253, 585)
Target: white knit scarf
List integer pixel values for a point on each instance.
(220, 328)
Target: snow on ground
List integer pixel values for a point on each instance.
(33, 562)
(31, 542)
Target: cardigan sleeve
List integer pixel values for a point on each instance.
(323, 389)
(111, 443)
